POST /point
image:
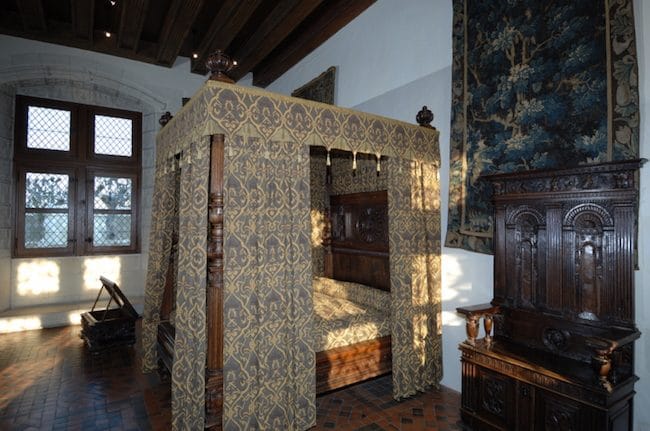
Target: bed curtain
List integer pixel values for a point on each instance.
(269, 355)
(269, 370)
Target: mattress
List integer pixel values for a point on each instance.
(346, 313)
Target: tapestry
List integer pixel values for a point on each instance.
(269, 370)
(535, 85)
(319, 89)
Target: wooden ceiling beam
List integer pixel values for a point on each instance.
(282, 20)
(132, 19)
(310, 35)
(230, 19)
(83, 19)
(32, 15)
(178, 22)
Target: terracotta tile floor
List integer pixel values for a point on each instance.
(48, 381)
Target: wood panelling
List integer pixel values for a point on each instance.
(131, 23)
(83, 12)
(232, 17)
(266, 38)
(282, 20)
(345, 365)
(178, 21)
(326, 20)
(562, 352)
(32, 14)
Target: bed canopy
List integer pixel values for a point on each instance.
(268, 357)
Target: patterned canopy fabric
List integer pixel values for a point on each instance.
(269, 380)
(536, 85)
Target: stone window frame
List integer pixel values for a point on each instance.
(82, 165)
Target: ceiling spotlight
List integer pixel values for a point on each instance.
(107, 34)
(195, 55)
(234, 62)
(113, 2)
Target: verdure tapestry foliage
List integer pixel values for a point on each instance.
(530, 91)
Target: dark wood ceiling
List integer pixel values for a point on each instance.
(266, 37)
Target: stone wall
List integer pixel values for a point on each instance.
(43, 70)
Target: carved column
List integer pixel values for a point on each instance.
(214, 366)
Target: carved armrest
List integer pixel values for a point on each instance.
(603, 347)
(473, 315)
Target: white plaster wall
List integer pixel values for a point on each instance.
(392, 43)
(51, 71)
(396, 57)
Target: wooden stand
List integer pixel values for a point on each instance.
(110, 327)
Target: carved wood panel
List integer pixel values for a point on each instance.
(563, 282)
(358, 248)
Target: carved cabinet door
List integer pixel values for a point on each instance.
(496, 399)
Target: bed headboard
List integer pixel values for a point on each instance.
(356, 248)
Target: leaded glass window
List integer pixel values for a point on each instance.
(48, 129)
(112, 211)
(113, 136)
(78, 174)
(46, 210)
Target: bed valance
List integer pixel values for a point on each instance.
(268, 354)
(228, 109)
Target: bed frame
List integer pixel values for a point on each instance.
(356, 249)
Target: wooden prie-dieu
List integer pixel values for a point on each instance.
(562, 353)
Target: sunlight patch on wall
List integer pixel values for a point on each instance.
(109, 267)
(452, 274)
(451, 318)
(15, 324)
(317, 227)
(37, 277)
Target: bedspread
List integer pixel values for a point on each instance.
(347, 313)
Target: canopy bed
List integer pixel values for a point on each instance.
(248, 331)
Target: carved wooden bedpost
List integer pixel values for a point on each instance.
(218, 63)
(214, 366)
(424, 117)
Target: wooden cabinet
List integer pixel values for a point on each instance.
(562, 353)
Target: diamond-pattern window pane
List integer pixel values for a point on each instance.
(44, 190)
(112, 229)
(113, 136)
(46, 230)
(112, 193)
(48, 129)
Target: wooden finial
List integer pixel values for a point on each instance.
(165, 118)
(425, 117)
(218, 63)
